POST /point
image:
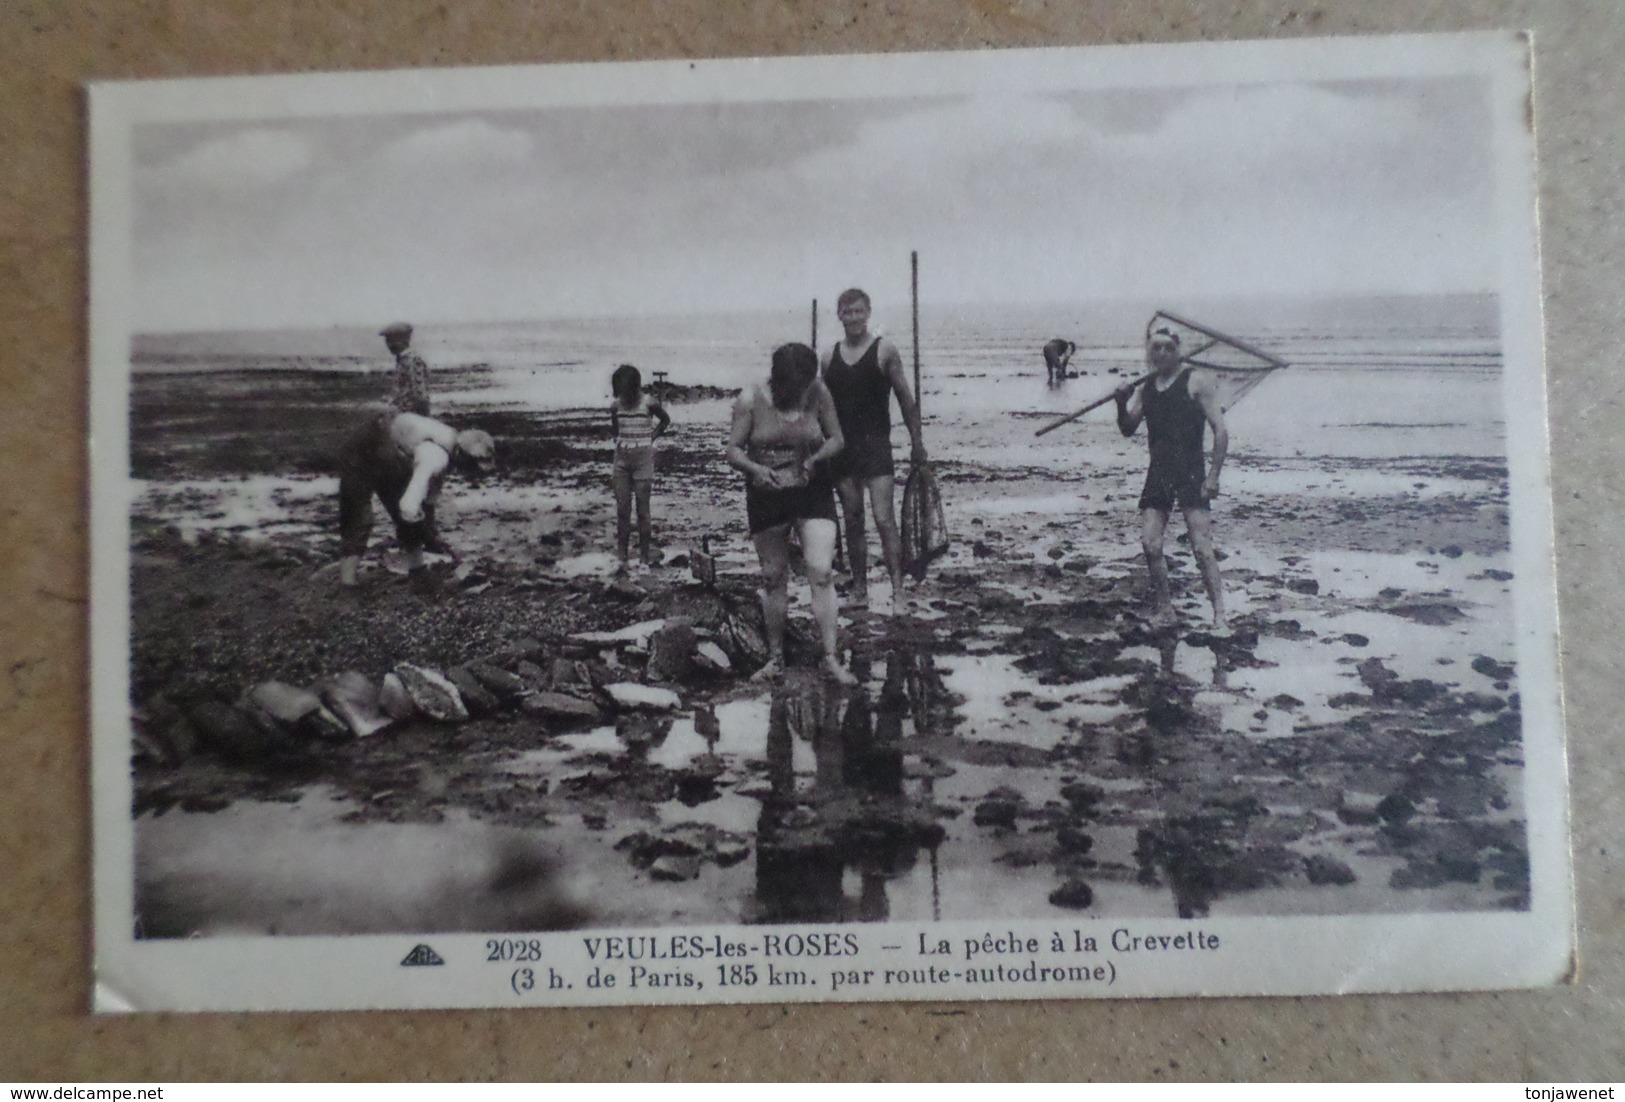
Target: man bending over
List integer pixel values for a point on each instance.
(402, 459)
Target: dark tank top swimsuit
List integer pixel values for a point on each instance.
(862, 394)
(1174, 424)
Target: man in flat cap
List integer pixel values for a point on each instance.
(411, 392)
(402, 458)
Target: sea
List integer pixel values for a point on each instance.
(1369, 377)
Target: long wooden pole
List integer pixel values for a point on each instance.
(1096, 404)
(914, 282)
(815, 325)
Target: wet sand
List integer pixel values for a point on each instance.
(1023, 743)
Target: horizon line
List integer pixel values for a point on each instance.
(1136, 302)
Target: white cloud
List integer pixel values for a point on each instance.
(1270, 122)
(244, 160)
(1268, 189)
(948, 134)
(459, 144)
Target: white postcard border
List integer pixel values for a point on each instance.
(1278, 955)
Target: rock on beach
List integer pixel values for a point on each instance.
(434, 695)
(395, 700)
(477, 698)
(1327, 870)
(231, 733)
(287, 709)
(637, 634)
(561, 706)
(282, 703)
(1074, 895)
(354, 699)
(631, 695)
(671, 651)
(499, 681)
(712, 658)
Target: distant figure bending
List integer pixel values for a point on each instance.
(402, 458)
(1177, 404)
(1057, 354)
(411, 390)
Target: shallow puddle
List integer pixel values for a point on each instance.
(967, 781)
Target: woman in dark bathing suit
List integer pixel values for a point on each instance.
(783, 432)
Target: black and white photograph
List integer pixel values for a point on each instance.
(1020, 524)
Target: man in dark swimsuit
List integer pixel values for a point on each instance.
(1177, 403)
(1057, 354)
(862, 373)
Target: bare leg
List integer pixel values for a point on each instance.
(1199, 522)
(857, 550)
(882, 494)
(1153, 523)
(818, 547)
(645, 543)
(623, 513)
(773, 551)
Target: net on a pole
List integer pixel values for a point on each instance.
(1236, 366)
(924, 528)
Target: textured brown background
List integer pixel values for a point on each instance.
(51, 47)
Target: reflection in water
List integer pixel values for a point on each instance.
(1197, 843)
(856, 816)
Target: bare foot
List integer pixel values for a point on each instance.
(770, 672)
(838, 673)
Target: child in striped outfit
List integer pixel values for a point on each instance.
(638, 420)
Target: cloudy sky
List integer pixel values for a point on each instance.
(1300, 189)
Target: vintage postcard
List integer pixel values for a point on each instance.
(1022, 524)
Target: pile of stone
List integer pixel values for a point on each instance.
(580, 681)
(675, 650)
(590, 676)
